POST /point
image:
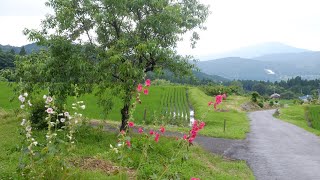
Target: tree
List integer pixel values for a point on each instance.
(22, 51)
(127, 38)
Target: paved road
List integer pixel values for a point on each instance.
(278, 150)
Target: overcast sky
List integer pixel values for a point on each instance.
(232, 24)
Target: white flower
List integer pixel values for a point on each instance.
(49, 99)
(76, 121)
(80, 115)
(66, 114)
(83, 106)
(47, 136)
(35, 143)
(62, 120)
(73, 104)
(49, 111)
(22, 106)
(21, 98)
(28, 135)
(23, 122)
(74, 108)
(44, 96)
(52, 123)
(29, 103)
(80, 102)
(25, 94)
(28, 128)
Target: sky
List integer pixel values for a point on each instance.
(232, 24)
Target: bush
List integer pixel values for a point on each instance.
(255, 96)
(297, 101)
(260, 104)
(271, 103)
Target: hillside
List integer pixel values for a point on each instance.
(29, 48)
(256, 50)
(237, 68)
(283, 65)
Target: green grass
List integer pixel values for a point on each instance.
(7, 99)
(313, 115)
(94, 143)
(237, 124)
(295, 114)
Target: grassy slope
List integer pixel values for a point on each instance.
(237, 124)
(95, 143)
(295, 114)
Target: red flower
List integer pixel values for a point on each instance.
(139, 88)
(148, 82)
(128, 143)
(157, 137)
(146, 91)
(193, 178)
(140, 130)
(210, 103)
(130, 124)
(162, 129)
(122, 132)
(151, 132)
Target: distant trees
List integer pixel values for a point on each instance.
(22, 51)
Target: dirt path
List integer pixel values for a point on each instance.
(279, 150)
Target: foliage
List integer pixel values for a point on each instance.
(255, 96)
(93, 142)
(260, 104)
(131, 38)
(6, 59)
(214, 90)
(38, 114)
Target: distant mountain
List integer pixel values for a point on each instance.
(237, 68)
(270, 67)
(204, 76)
(29, 48)
(256, 50)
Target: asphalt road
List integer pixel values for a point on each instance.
(278, 150)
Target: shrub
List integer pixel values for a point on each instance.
(260, 104)
(271, 103)
(255, 96)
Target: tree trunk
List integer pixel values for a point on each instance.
(124, 117)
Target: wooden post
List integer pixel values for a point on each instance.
(144, 114)
(224, 125)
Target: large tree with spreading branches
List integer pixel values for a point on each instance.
(121, 39)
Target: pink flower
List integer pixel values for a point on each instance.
(202, 124)
(162, 129)
(130, 124)
(139, 88)
(146, 91)
(224, 96)
(191, 139)
(148, 82)
(218, 99)
(140, 130)
(49, 110)
(122, 132)
(151, 132)
(210, 103)
(128, 143)
(157, 137)
(193, 178)
(185, 137)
